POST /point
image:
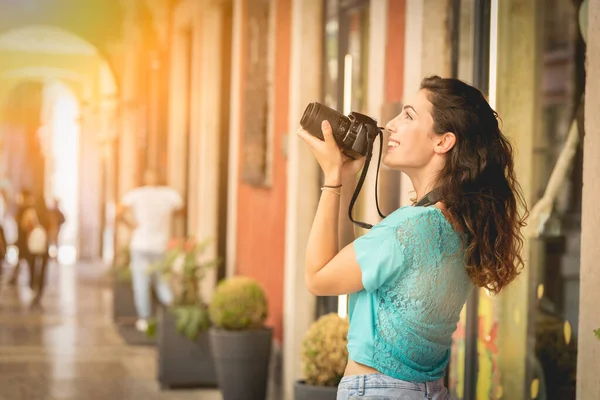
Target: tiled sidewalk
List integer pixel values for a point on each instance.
(70, 349)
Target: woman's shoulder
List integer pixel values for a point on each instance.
(419, 219)
(410, 213)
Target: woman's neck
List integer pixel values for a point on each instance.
(423, 182)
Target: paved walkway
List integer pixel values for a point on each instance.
(70, 348)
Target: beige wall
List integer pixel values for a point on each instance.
(588, 363)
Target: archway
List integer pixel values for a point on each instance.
(61, 84)
(60, 118)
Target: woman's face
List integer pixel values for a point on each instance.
(411, 137)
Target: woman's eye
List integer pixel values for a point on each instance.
(407, 116)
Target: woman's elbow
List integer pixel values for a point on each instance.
(313, 286)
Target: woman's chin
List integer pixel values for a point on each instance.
(389, 161)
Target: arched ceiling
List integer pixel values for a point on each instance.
(45, 40)
(99, 22)
(48, 53)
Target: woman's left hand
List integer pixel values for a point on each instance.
(327, 152)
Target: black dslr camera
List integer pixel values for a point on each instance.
(353, 133)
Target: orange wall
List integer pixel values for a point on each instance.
(394, 58)
(261, 211)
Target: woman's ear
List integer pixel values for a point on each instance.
(445, 143)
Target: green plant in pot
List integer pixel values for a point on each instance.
(184, 355)
(324, 357)
(240, 342)
(184, 266)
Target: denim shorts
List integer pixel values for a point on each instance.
(382, 387)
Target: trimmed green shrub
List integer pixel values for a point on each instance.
(238, 303)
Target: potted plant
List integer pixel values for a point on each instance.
(240, 342)
(184, 356)
(324, 357)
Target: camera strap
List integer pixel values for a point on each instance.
(362, 178)
(428, 200)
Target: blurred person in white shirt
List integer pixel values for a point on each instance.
(148, 212)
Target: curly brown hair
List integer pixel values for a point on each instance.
(478, 183)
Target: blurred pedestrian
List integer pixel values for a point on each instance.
(148, 211)
(24, 201)
(56, 219)
(37, 247)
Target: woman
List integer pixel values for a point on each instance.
(410, 275)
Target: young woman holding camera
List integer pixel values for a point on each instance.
(410, 275)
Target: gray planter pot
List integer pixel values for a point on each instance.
(123, 305)
(182, 362)
(242, 362)
(302, 391)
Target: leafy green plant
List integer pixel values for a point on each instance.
(324, 353)
(238, 303)
(184, 266)
(191, 320)
(597, 333)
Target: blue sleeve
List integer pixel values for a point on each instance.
(379, 255)
(409, 238)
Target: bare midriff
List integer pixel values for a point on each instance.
(354, 368)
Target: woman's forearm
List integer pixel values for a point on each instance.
(323, 238)
(346, 233)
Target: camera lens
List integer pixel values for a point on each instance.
(315, 113)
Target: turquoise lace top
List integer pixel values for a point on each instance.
(416, 284)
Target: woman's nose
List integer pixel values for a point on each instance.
(391, 126)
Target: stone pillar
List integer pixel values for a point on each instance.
(413, 48)
(375, 99)
(588, 361)
(157, 82)
(516, 103)
(209, 130)
(129, 112)
(107, 144)
(234, 138)
(90, 198)
(428, 52)
(303, 183)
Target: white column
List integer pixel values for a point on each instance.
(178, 95)
(516, 91)
(207, 83)
(234, 139)
(413, 48)
(375, 96)
(200, 80)
(182, 39)
(129, 111)
(588, 359)
(302, 190)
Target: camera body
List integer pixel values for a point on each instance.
(352, 133)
